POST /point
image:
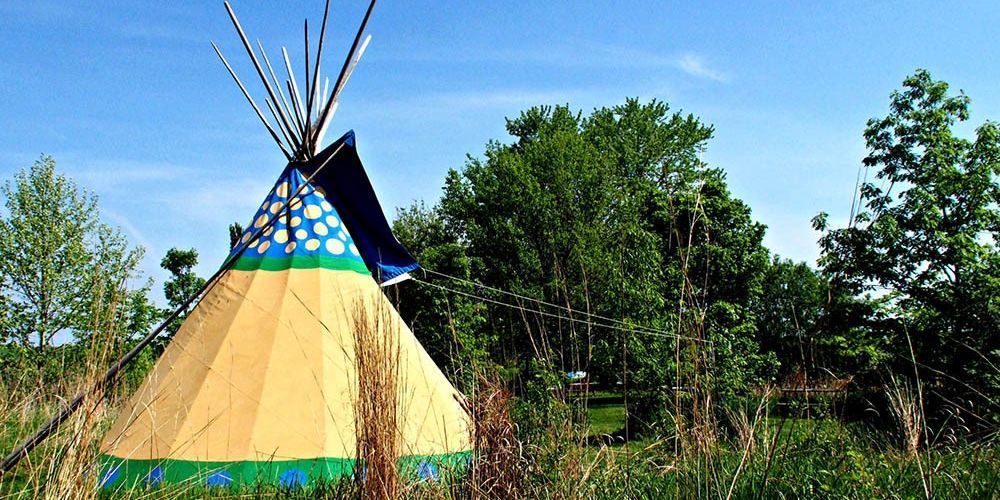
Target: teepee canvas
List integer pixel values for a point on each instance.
(261, 383)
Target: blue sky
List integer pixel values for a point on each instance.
(131, 101)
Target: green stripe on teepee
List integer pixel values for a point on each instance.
(300, 262)
(124, 474)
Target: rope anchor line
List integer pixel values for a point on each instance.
(611, 323)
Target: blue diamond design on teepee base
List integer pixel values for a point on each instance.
(155, 476)
(427, 471)
(110, 476)
(218, 479)
(360, 474)
(292, 478)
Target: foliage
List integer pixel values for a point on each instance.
(451, 326)
(235, 232)
(778, 457)
(814, 329)
(182, 284)
(604, 243)
(612, 215)
(651, 276)
(790, 313)
(924, 242)
(793, 459)
(61, 267)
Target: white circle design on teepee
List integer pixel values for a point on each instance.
(335, 246)
(307, 224)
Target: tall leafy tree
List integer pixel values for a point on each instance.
(530, 212)
(700, 274)
(613, 214)
(61, 265)
(716, 262)
(925, 238)
(235, 233)
(814, 329)
(183, 281)
(790, 313)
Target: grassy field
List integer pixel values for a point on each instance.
(605, 413)
(780, 457)
(787, 457)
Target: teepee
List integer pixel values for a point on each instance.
(261, 382)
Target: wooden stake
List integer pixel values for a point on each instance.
(326, 92)
(288, 85)
(309, 96)
(354, 64)
(319, 52)
(275, 115)
(316, 96)
(322, 128)
(295, 95)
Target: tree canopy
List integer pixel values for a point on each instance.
(183, 282)
(62, 267)
(924, 241)
(612, 215)
(604, 243)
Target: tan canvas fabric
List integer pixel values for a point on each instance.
(263, 369)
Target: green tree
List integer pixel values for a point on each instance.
(698, 274)
(814, 329)
(790, 314)
(450, 326)
(530, 213)
(182, 284)
(716, 261)
(925, 240)
(61, 265)
(613, 214)
(235, 233)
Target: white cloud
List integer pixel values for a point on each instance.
(580, 54)
(694, 65)
(135, 235)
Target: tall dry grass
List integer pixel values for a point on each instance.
(377, 408)
(65, 465)
(497, 469)
(907, 413)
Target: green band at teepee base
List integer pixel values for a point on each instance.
(124, 474)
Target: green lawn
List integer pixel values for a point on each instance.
(605, 413)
